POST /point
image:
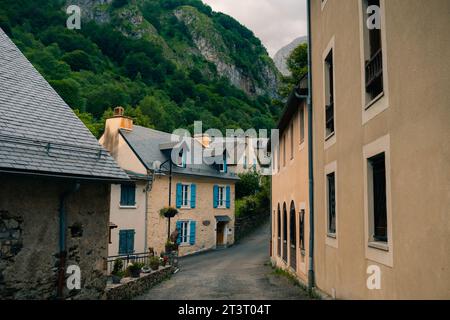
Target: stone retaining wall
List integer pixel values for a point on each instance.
(130, 287)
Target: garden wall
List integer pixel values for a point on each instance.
(130, 287)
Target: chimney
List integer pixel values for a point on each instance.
(203, 138)
(119, 121)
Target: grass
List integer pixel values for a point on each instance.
(312, 294)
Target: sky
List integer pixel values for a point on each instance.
(275, 22)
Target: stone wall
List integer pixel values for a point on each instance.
(29, 237)
(245, 225)
(130, 288)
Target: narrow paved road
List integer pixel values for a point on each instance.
(238, 273)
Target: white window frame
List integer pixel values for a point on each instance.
(331, 239)
(185, 237)
(323, 4)
(380, 103)
(329, 140)
(187, 187)
(221, 202)
(380, 252)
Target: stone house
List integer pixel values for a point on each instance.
(54, 199)
(202, 193)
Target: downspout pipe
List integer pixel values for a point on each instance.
(62, 238)
(311, 280)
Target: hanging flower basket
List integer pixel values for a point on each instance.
(168, 212)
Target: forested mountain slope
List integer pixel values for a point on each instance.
(169, 62)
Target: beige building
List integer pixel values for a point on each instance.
(381, 112)
(290, 192)
(203, 194)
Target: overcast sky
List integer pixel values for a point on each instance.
(275, 22)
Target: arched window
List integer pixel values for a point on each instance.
(293, 236)
(284, 232)
(302, 231)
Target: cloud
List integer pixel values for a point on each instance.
(275, 22)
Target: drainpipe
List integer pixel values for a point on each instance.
(62, 238)
(311, 280)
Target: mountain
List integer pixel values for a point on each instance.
(281, 56)
(168, 62)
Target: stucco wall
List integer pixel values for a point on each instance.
(416, 124)
(203, 212)
(289, 184)
(29, 230)
(128, 219)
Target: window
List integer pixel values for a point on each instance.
(285, 230)
(184, 195)
(127, 195)
(331, 188)
(181, 161)
(293, 237)
(221, 197)
(126, 241)
(291, 130)
(329, 95)
(302, 124)
(284, 150)
(279, 231)
(184, 232)
(377, 168)
(302, 231)
(373, 56)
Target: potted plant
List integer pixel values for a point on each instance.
(168, 212)
(164, 259)
(154, 263)
(135, 269)
(117, 272)
(171, 246)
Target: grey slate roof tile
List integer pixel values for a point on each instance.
(147, 144)
(32, 115)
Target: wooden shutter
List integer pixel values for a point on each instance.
(179, 191)
(192, 233)
(228, 197)
(216, 196)
(193, 195)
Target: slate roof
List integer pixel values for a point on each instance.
(39, 133)
(152, 145)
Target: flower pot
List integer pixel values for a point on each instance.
(116, 279)
(135, 273)
(154, 267)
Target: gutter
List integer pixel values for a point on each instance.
(311, 280)
(62, 238)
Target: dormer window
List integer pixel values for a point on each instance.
(181, 161)
(223, 167)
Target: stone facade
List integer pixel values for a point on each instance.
(204, 214)
(29, 236)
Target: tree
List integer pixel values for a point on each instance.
(69, 90)
(297, 63)
(78, 60)
(247, 185)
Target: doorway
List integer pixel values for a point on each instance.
(220, 237)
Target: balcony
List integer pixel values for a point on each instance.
(374, 74)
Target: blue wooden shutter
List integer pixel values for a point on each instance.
(225, 165)
(123, 195)
(228, 199)
(179, 232)
(193, 195)
(192, 233)
(179, 191)
(132, 195)
(130, 241)
(122, 242)
(216, 196)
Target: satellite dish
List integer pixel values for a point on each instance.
(156, 165)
